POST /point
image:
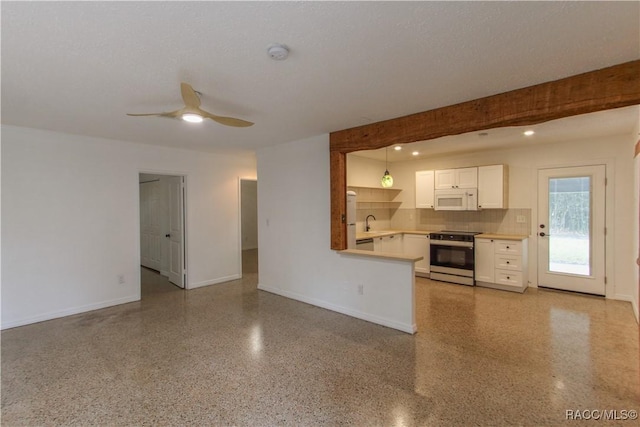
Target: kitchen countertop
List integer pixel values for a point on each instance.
(374, 234)
(501, 236)
(372, 254)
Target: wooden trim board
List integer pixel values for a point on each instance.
(613, 87)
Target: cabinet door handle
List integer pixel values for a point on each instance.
(507, 262)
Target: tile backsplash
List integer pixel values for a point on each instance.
(382, 221)
(500, 221)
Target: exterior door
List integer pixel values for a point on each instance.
(176, 231)
(150, 241)
(571, 229)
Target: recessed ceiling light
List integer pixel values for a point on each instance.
(528, 132)
(397, 148)
(192, 118)
(415, 153)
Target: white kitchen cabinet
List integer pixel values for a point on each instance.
(484, 268)
(456, 178)
(501, 264)
(418, 245)
(391, 244)
(424, 189)
(493, 187)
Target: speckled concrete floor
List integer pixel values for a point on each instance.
(231, 355)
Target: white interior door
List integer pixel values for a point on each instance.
(150, 235)
(571, 228)
(176, 231)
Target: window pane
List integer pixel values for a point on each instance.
(570, 225)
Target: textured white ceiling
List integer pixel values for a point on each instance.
(79, 67)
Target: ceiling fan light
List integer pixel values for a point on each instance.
(192, 118)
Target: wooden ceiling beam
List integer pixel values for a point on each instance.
(605, 89)
(613, 87)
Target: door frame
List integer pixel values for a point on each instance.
(240, 179)
(609, 242)
(595, 282)
(185, 221)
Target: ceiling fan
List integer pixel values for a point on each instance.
(193, 113)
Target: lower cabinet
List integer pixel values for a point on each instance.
(391, 244)
(418, 245)
(484, 269)
(501, 264)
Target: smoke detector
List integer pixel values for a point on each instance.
(278, 52)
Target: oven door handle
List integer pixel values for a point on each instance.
(451, 243)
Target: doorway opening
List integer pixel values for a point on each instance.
(249, 226)
(162, 233)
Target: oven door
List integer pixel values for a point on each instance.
(452, 257)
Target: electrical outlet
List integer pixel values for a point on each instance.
(521, 219)
(120, 279)
(360, 289)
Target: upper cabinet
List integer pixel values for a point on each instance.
(424, 189)
(456, 178)
(492, 187)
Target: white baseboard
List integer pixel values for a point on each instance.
(215, 281)
(633, 302)
(68, 312)
(164, 273)
(404, 327)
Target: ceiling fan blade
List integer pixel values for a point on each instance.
(173, 114)
(189, 96)
(227, 121)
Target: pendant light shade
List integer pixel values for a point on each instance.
(387, 180)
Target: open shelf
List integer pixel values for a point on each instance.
(376, 197)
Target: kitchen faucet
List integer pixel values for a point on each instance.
(366, 222)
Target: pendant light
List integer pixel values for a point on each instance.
(387, 179)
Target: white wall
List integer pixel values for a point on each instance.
(294, 242)
(249, 209)
(70, 221)
(364, 172)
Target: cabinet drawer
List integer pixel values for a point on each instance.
(508, 247)
(509, 278)
(507, 262)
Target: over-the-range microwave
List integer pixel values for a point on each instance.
(456, 199)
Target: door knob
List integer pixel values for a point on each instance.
(542, 234)
(541, 225)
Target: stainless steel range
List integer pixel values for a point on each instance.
(452, 256)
